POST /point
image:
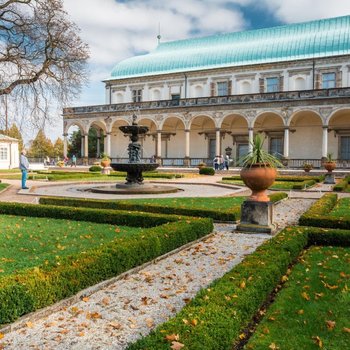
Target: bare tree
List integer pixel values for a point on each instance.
(42, 58)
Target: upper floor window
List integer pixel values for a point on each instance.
(272, 84)
(137, 95)
(3, 153)
(222, 88)
(328, 80)
(176, 99)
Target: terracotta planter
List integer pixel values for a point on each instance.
(259, 177)
(105, 163)
(329, 166)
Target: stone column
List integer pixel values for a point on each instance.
(82, 146)
(108, 144)
(159, 144)
(65, 145)
(250, 138)
(324, 141)
(98, 148)
(86, 146)
(187, 148)
(217, 142)
(286, 143)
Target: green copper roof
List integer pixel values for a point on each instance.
(321, 38)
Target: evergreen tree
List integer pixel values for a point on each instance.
(75, 140)
(41, 146)
(16, 134)
(58, 148)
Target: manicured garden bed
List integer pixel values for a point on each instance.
(318, 316)
(218, 316)
(328, 211)
(3, 186)
(285, 182)
(45, 260)
(217, 208)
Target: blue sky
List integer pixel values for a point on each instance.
(118, 29)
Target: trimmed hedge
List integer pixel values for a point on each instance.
(341, 185)
(95, 169)
(226, 307)
(304, 184)
(232, 214)
(206, 171)
(41, 286)
(288, 178)
(106, 216)
(317, 215)
(277, 196)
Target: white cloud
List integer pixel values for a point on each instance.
(291, 11)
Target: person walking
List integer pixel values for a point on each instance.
(74, 161)
(24, 166)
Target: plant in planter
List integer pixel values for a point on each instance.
(330, 164)
(307, 167)
(259, 170)
(201, 165)
(105, 160)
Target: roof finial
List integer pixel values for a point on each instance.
(159, 36)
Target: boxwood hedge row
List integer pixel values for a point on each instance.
(221, 215)
(34, 288)
(233, 214)
(288, 178)
(317, 215)
(106, 216)
(216, 317)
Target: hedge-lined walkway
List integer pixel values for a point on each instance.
(117, 315)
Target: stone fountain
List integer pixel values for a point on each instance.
(134, 167)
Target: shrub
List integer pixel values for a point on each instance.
(95, 168)
(37, 287)
(206, 171)
(341, 185)
(317, 215)
(107, 216)
(304, 184)
(232, 214)
(224, 309)
(277, 196)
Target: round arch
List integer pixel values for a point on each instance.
(148, 141)
(339, 136)
(234, 133)
(203, 137)
(305, 135)
(173, 137)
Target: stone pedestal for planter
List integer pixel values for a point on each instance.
(106, 170)
(256, 217)
(329, 178)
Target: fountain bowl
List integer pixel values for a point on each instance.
(134, 166)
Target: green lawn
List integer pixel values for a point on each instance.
(28, 242)
(341, 209)
(312, 310)
(220, 203)
(3, 186)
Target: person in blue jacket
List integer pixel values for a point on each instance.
(24, 166)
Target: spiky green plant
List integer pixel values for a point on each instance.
(259, 156)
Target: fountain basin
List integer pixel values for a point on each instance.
(144, 188)
(134, 166)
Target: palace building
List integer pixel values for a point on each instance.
(208, 96)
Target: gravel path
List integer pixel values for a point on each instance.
(129, 308)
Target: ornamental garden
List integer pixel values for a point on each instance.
(292, 292)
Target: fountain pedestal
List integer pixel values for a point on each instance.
(134, 168)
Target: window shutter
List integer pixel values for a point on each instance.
(229, 87)
(281, 85)
(261, 85)
(212, 89)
